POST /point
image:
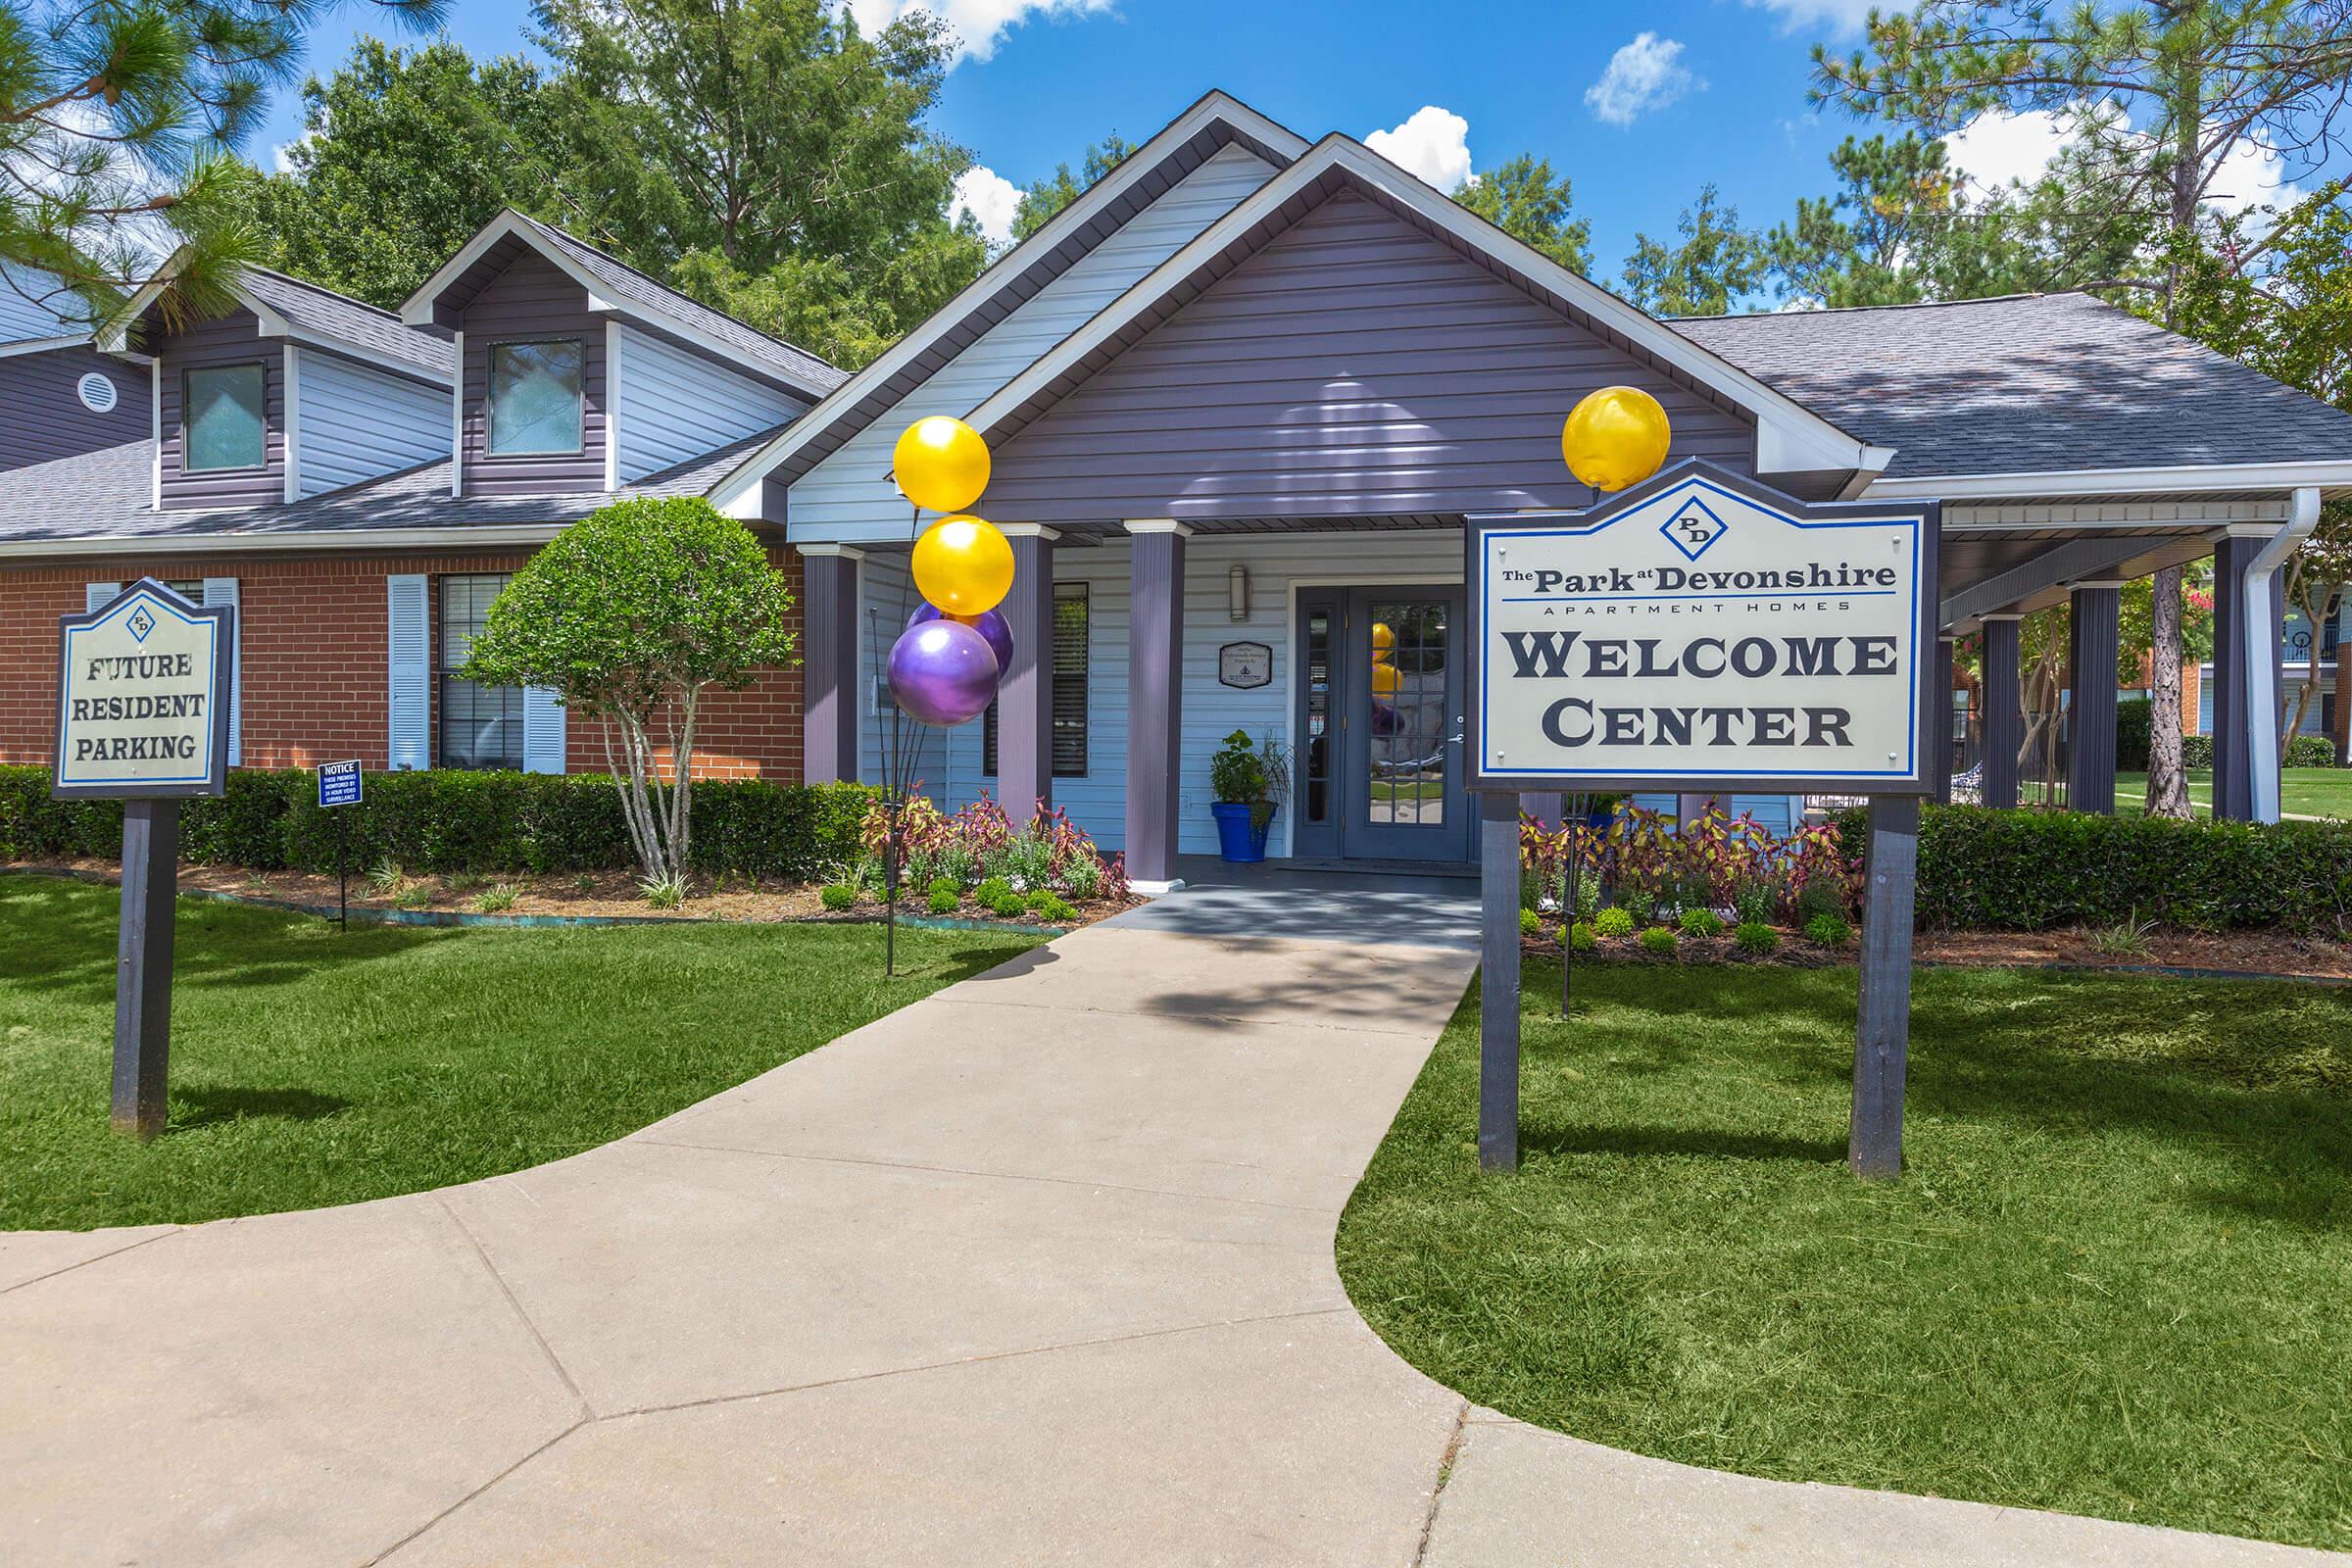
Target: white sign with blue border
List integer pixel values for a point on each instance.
(142, 697)
(1700, 632)
(340, 783)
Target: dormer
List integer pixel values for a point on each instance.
(294, 391)
(580, 373)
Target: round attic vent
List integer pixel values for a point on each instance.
(97, 393)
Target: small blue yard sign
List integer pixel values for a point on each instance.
(340, 783)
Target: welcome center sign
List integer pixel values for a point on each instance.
(1702, 632)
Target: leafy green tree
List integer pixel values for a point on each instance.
(1523, 200)
(751, 132)
(403, 157)
(630, 615)
(1714, 263)
(113, 122)
(2167, 91)
(1046, 197)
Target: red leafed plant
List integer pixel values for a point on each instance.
(1650, 860)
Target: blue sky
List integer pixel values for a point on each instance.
(1636, 106)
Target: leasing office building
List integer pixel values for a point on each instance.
(1241, 395)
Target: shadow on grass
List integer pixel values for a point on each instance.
(208, 1105)
(1668, 1142)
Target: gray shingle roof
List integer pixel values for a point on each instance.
(371, 333)
(105, 494)
(2031, 383)
(624, 282)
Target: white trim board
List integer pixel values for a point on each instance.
(2064, 482)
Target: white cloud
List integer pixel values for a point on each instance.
(1646, 75)
(1829, 16)
(990, 198)
(281, 155)
(1998, 147)
(979, 25)
(1433, 144)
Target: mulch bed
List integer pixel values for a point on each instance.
(602, 894)
(2263, 953)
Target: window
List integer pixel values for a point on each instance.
(225, 422)
(534, 399)
(1070, 623)
(189, 588)
(481, 726)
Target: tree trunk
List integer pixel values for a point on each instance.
(2168, 779)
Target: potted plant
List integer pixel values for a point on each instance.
(1250, 779)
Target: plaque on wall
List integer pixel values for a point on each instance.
(1245, 664)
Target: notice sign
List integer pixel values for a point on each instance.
(142, 697)
(1701, 632)
(338, 784)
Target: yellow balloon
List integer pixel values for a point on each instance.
(1617, 437)
(963, 565)
(1382, 639)
(941, 463)
(1384, 679)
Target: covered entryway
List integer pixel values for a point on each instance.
(1378, 769)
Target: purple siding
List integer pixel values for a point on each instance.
(532, 300)
(1355, 366)
(231, 339)
(46, 419)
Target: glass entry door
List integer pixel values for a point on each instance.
(1379, 770)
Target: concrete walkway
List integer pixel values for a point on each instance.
(1038, 1270)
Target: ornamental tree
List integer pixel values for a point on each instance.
(629, 616)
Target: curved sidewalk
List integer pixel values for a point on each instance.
(1037, 1270)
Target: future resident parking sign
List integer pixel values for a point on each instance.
(142, 697)
(1700, 632)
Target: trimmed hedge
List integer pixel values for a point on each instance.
(2134, 736)
(452, 821)
(2029, 870)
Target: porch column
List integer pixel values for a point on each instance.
(2004, 711)
(1026, 699)
(829, 663)
(2239, 642)
(1155, 700)
(2092, 637)
(1939, 723)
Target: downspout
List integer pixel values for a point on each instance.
(2262, 672)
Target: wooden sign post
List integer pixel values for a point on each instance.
(1703, 634)
(142, 717)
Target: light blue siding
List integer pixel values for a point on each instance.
(849, 496)
(353, 423)
(675, 405)
(1775, 813)
(1276, 564)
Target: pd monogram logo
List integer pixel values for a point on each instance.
(1692, 529)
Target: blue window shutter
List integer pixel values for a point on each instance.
(410, 691)
(94, 594)
(542, 731)
(223, 591)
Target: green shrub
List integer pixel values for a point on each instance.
(2196, 750)
(1614, 921)
(1053, 907)
(1009, 906)
(2134, 729)
(944, 899)
(1660, 939)
(1701, 923)
(449, 820)
(1830, 930)
(1754, 936)
(838, 896)
(1530, 922)
(2311, 751)
(1982, 869)
(1818, 897)
(1753, 903)
(1580, 937)
(994, 891)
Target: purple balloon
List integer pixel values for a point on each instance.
(943, 673)
(988, 623)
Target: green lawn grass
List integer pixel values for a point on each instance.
(2302, 791)
(2112, 1281)
(311, 1067)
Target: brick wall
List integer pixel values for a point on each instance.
(317, 662)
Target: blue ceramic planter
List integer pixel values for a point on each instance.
(1239, 839)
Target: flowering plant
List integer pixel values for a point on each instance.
(1048, 853)
(1651, 861)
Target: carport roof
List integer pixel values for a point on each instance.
(2030, 383)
